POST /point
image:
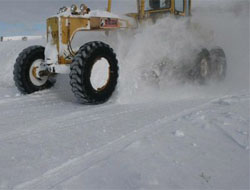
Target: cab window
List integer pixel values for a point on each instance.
(179, 5)
(157, 4)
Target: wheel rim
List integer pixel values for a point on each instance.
(204, 67)
(35, 80)
(100, 74)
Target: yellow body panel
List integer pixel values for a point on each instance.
(63, 28)
(69, 26)
(142, 9)
(109, 5)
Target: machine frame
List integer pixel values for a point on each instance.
(61, 29)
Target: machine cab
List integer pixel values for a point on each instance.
(149, 8)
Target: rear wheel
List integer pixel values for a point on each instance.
(94, 73)
(219, 63)
(25, 71)
(201, 71)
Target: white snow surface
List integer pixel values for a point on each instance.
(15, 38)
(173, 135)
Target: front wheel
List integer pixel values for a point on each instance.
(94, 73)
(25, 75)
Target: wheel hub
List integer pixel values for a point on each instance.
(220, 69)
(34, 72)
(34, 76)
(204, 67)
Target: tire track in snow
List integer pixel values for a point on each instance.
(46, 123)
(229, 136)
(79, 165)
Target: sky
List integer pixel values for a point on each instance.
(28, 17)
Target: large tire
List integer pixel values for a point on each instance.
(26, 83)
(219, 63)
(81, 70)
(201, 71)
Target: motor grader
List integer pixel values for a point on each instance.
(36, 66)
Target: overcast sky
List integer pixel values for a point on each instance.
(28, 17)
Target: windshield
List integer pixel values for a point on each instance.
(157, 4)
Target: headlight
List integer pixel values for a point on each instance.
(83, 7)
(63, 9)
(73, 9)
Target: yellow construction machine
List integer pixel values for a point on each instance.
(36, 66)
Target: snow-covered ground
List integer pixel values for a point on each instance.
(24, 38)
(174, 136)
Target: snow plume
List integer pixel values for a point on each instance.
(149, 58)
(230, 22)
(152, 54)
